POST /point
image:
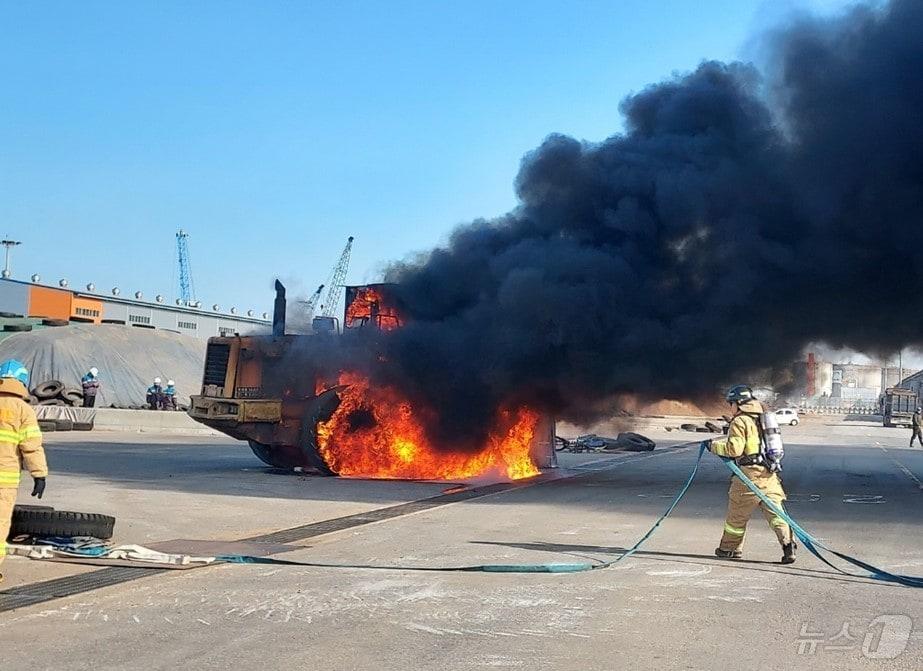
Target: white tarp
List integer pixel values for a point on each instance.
(128, 359)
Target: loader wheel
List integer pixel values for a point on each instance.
(279, 456)
(48, 389)
(32, 522)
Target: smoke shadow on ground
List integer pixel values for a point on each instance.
(687, 558)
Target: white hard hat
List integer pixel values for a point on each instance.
(170, 382)
(156, 380)
(94, 371)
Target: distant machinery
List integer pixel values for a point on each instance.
(186, 286)
(335, 283)
(311, 303)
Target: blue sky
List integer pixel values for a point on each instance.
(271, 131)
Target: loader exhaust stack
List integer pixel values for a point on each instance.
(278, 311)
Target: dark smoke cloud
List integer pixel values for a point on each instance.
(741, 215)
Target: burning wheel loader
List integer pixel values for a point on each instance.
(297, 417)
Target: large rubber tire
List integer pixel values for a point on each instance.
(288, 458)
(73, 396)
(55, 322)
(53, 401)
(10, 315)
(48, 389)
(83, 426)
(64, 424)
(47, 425)
(17, 327)
(28, 522)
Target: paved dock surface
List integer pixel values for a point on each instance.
(672, 606)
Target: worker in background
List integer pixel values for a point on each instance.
(916, 423)
(169, 393)
(155, 395)
(743, 445)
(20, 444)
(90, 383)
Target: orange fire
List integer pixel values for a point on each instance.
(375, 434)
(369, 306)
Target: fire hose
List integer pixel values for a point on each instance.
(810, 542)
(813, 545)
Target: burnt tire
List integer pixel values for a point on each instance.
(64, 424)
(32, 522)
(48, 389)
(46, 426)
(32, 400)
(73, 396)
(83, 426)
(688, 427)
(714, 428)
(284, 457)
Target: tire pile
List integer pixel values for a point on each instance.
(55, 393)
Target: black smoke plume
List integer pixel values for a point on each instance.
(743, 213)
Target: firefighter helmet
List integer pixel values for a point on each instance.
(739, 393)
(16, 370)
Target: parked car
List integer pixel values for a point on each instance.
(787, 416)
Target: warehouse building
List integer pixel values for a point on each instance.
(33, 299)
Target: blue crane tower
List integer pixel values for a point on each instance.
(335, 283)
(186, 287)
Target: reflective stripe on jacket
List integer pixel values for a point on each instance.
(20, 437)
(743, 437)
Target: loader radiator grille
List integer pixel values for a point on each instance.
(216, 364)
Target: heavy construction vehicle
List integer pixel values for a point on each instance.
(251, 392)
(897, 406)
(264, 388)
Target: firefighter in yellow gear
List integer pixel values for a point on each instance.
(743, 445)
(20, 444)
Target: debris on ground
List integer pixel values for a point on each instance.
(627, 441)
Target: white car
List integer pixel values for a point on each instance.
(787, 416)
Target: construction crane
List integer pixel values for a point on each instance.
(335, 283)
(186, 287)
(312, 302)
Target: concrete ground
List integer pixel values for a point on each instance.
(672, 606)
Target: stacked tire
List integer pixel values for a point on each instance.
(55, 393)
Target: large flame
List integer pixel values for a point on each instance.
(375, 434)
(370, 307)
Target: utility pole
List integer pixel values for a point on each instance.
(9, 244)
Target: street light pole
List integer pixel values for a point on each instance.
(9, 244)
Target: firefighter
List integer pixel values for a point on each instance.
(20, 444)
(743, 445)
(917, 426)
